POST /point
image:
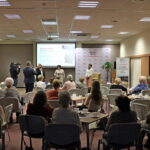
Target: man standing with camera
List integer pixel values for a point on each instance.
(14, 71)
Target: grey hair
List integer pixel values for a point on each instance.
(70, 77)
(40, 77)
(142, 79)
(64, 99)
(28, 63)
(9, 81)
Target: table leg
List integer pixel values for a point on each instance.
(87, 136)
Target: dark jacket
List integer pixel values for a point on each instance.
(14, 71)
(29, 75)
(38, 72)
(117, 86)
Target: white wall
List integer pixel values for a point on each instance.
(136, 45)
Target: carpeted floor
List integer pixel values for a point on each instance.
(14, 143)
(14, 132)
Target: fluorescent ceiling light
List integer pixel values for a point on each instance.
(75, 31)
(79, 17)
(3, 0)
(5, 3)
(12, 16)
(49, 22)
(145, 19)
(27, 31)
(10, 36)
(106, 26)
(123, 33)
(53, 35)
(88, 4)
(95, 36)
(109, 40)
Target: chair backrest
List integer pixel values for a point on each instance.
(145, 92)
(75, 91)
(141, 110)
(123, 133)
(54, 103)
(11, 100)
(106, 85)
(39, 89)
(115, 91)
(84, 91)
(2, 116)
(112, 98)
(32, 124)
(8, 111)
(62, 134)
(28, 97)
(104, 90)
(143, 101)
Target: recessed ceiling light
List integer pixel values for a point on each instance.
(145, 19)
(106, 26)
(12, 16)
(53, 35)
(88, 4)
(27, 31)
(49, 22)
(79, 17)
(109, 40)
(95, 36)
(5, 3)
(10, 36)
(123, 33)
(75, 31)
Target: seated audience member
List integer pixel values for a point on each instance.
(117, 85)
(49, 85)
(40, 106)
(94, 100)
(81, 83)
(10, 90)
(148, 81)
(124, 114)
(70, 84)
(141, 86)
(64, 114)
(53, 93)
(40, 83)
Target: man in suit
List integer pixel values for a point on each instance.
(29, 78)
(39, 71)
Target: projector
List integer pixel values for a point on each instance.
(49, 38)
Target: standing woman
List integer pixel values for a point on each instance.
(40, 71)
(59, 74)
(88, 75)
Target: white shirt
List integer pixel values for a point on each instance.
(40, 84)
(89, 72)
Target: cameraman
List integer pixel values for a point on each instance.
(14, 71)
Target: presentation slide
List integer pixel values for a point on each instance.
(53, 54)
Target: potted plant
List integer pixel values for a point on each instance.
(107, 66)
